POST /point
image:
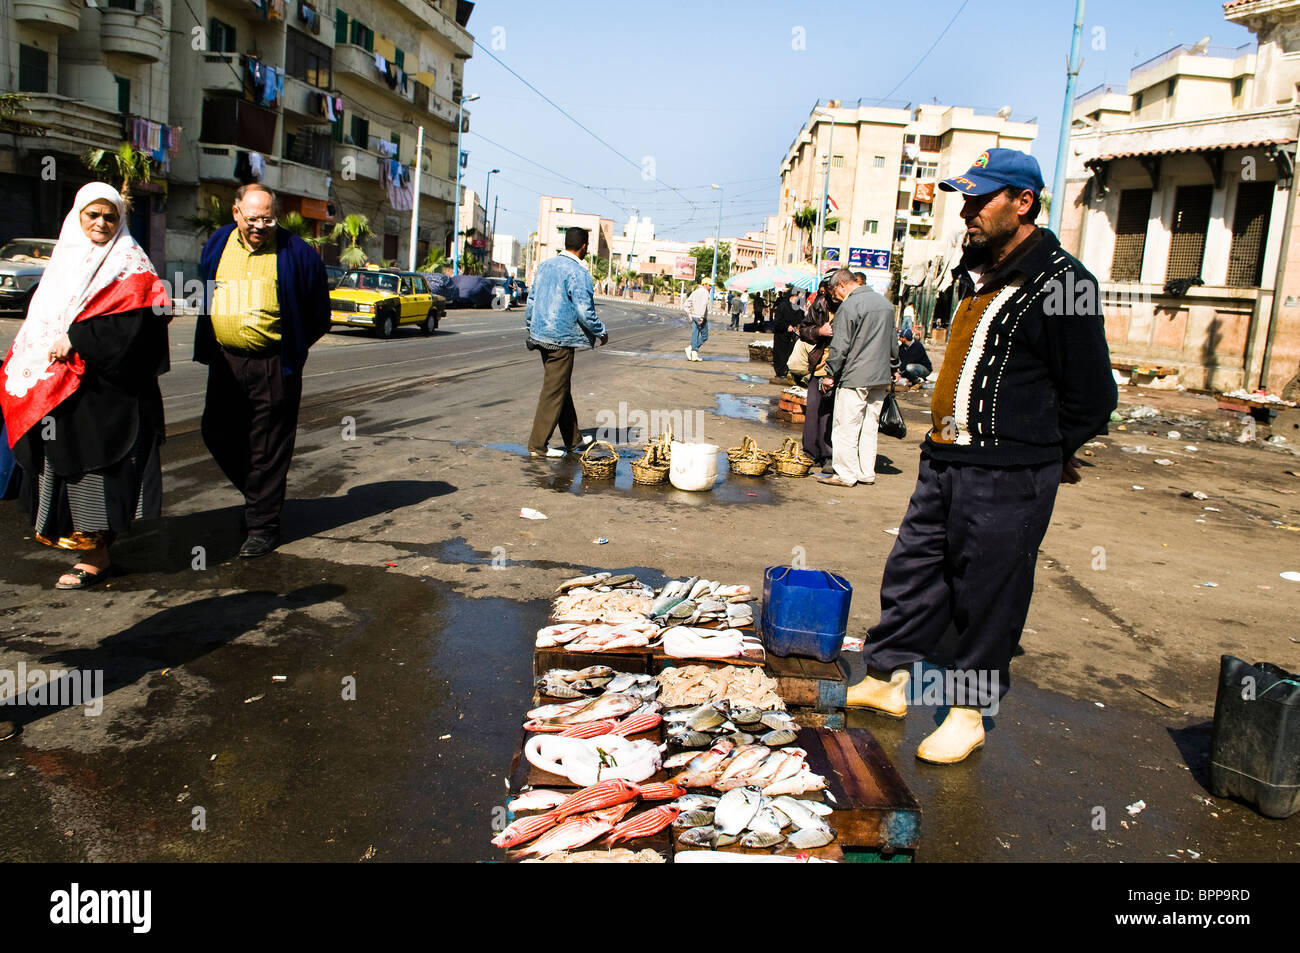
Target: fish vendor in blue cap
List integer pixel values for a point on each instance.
(1025, 382)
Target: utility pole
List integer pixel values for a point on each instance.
(455, 227)
(415, 203)
(487, 192)
(826, 185)
(492, 238)
(1067, 114)
(717, 234)
(632, 253)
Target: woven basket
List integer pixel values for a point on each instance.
(747, 449)
(602, 467)
(790, 460)
(649, 471)
(754, 463)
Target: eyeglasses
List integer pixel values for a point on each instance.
(261, 221)
(111, 218)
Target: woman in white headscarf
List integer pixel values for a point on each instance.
(79, 387)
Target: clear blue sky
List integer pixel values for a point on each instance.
(714, 91)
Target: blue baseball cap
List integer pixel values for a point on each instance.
(996, 169)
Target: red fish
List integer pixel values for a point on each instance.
(635, 724)
(644, 824)
(590, 730)
(661, 791)
(524, 829)
(603, 794)
(574, 833)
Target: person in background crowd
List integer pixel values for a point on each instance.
(560, 317)
(758, 311)
(269, 305)
(735, 305)
(785, 333)
(864, 346)
(697, 309)
(816, 329)
(1001, 442)
(913, 363)
(79, 387)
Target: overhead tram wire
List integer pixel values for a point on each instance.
(630, 161)
(559, 175)
(942, 34)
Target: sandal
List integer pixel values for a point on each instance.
(85, 578)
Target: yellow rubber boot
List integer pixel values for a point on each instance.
(961, 733)
(885, 695)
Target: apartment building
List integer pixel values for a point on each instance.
(321, 101)
(885, 163)
(555, 216)
(638, 248)
(473, 227)
(92, 77)
(507, 255)
(1180, 198)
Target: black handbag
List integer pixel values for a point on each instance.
(891, 417)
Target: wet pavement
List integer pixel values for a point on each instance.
(401, 608)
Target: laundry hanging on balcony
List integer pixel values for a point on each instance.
(265, 83)
(396, 180)
(386, 148)
(310, 16)
(160, 141)
(327, 106)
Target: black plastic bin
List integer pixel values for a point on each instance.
(1255, 745)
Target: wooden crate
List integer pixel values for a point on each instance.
(808, 683)
(874, 810)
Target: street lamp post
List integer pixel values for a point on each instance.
(415, 202)
(631, 252)
(455, 228)
(826, 185)
(487, 191)
(492, 236)
(713, 281)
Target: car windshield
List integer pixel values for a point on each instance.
(27, 251)
(370, 281)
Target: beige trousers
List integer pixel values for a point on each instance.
(854, 429)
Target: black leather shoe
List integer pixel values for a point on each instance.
(256, 546)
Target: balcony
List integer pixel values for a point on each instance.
(298, 97)
(359, 163)
(221, 72)
(59, 17)
(353, 63)
(135, 36)
(69, 125)
(217, 164)
(239, 123)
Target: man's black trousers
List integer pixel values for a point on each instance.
(965, 555)
(250, 419)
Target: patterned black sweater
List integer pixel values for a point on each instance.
(1026, 378)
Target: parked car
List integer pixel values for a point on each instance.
(515, 290)
(22, 262)
(384, 299)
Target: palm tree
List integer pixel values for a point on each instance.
(126, 163)
(804, 219)
(435, 261)
(356, 229)
(211, 218)
(295, 223)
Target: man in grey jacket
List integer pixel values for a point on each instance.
(859, 362)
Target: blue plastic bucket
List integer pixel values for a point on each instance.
(805, 612)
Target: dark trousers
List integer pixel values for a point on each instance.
(965, 555)
(555, 403)
(250, 419)
(819, 415)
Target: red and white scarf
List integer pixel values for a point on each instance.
(82, 281)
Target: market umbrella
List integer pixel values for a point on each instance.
(765, 278)
(806, 282)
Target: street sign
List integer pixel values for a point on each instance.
(868, 258)
(684, 268)
(831, 254)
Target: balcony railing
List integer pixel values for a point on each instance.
(1226, 52)
(51, 16)
(71, 124)
(217, 164)
(222, 72)
(233, 121)
(136, 36)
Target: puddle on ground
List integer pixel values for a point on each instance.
(752, 379)
(516, 449)
(741, 407)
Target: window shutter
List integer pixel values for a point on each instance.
(1187, 241)
(1130, 234)
(1249, 233)
(340, 27)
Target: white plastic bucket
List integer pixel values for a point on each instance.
(693, 466)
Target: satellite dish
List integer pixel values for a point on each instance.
(1004, 112)
(1201, 45)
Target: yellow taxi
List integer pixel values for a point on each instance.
(385, 299)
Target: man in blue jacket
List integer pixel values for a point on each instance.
(266, 302)
(560, 317)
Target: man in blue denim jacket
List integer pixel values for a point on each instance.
(560, 317)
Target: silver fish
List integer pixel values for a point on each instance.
(706, 717)
(707, 836)
(598, 709)
(690, 739)
(739, 738)
(559, 690)
(781, 736)
(761, 839)
(767, 821)
(588, 673)
(700, 587)
(697, 818)
(592, 580)
(615, 581)
(696, 802)
(625, 680)
(777, 720)
(736, 809)
(799, 812)
(811, 837)
(680, 759)
(746, 716)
